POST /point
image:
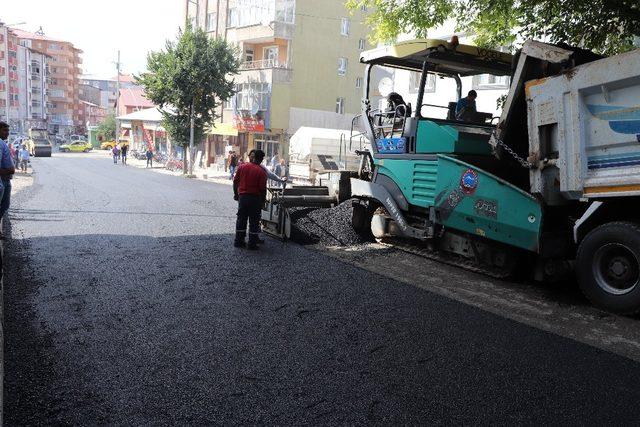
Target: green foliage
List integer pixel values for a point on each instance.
(193, 71)
(107, 129)
(605, 26)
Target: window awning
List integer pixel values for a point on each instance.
(225, 129)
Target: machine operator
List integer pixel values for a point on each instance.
(466, 108)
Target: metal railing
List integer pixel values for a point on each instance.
(263, 63)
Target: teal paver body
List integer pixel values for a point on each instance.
(468, 199)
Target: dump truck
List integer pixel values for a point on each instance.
(315, 151)
(553, 183)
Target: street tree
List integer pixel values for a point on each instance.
(187, 80)
(107, 128)
(605, 26)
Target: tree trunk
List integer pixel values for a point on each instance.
(185, 158)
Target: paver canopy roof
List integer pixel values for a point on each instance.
(444, 57)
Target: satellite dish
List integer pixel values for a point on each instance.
(385, 86)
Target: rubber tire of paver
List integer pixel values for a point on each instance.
(595, 281)
(361, 221)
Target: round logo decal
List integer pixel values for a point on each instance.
(469, 181)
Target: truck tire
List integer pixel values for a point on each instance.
(361, 220)
(608, 267)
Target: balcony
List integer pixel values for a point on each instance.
(260, 33)
(262, 64)
(265, 75)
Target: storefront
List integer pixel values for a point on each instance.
(142, 129)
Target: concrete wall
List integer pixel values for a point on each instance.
(299, 117)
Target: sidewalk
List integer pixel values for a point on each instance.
(210, 174)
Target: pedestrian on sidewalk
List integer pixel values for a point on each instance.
(149, 155)
(7, 169)
(116, 153)
(233, 163)
(123, 154)
(275, 160)
(250, 190)
(23, 158)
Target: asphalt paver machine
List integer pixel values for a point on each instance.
(276, 212)
(554, 181)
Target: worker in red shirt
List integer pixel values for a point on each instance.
(250, 190)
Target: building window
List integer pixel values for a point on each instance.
(212, 21)
(232, 17)
(269, 146)
(363, 8)
(344, 27)
(342, 66)
(249, 55)
(340, 105)
(358, 82)
(251, 96)
(193, 21)
(489, 81)
(361, 44)
(285, 11)
(270, 56)
(414, 83)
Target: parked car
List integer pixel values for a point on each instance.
(108, 145)
(76, 146)
(74, 138)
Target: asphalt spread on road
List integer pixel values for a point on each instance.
(126, 304)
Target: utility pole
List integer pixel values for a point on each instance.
(117, 98)
(191, 156)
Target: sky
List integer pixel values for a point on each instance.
(101, 27)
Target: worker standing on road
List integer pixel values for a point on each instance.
(250, 190)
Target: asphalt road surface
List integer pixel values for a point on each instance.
(125, 303)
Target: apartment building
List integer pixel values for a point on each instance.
(23, 83)
(63, 78)
(299, 67)
(9, 84)
(108, 88)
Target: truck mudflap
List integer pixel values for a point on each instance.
(477, 202)
(367, 189)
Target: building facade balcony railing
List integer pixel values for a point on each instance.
(264, 63)
(265, 75)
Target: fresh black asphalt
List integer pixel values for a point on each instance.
(126, 304)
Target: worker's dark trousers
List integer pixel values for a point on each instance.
(249, 207)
